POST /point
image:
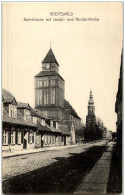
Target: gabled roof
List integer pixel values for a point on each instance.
(47, 128)
(50, 57)
(6, 93)
(38, 113)
(7, 97)
(68, 123)
(55, 130)
(23, 105)
(16, 121)
(48, 73)
(64, 129)
(43, 128)
(67, 105)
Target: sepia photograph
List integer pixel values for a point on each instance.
(62, 97)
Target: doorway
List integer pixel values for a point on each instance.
(24, 141)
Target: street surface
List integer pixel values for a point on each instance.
(18, 165)
(55, 167)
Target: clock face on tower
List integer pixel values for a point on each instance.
(47, 66)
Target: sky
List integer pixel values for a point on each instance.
(88, 52)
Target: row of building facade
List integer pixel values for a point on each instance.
(27, 128)
(53, 121)
(118, 105)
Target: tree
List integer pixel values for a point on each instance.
(100, 128)
(79, 133)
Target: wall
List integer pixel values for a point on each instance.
(37, 139)
(15, 147)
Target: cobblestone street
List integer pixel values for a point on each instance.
(15, 167)
(18, 165)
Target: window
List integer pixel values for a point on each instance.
(31, 138)
(27, 115)
(43, 122)
(46, 96)
(56, 125)
(41, 83)
(52, 82)
(52, 96)
(47, 65)
(37, 140)
(38, 83)
(34, 120)
(45, 112)
(46, 82)
(12, 111)
(39, 96)
(5, 137)
(46, 139)
(19, 137)
(52, 66)
(44, 65)
(12, 137)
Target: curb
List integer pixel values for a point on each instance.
(14, 155)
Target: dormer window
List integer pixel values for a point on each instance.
(56, 125)
(12, 111)
(43, 122)
(51, 123)
(34, 119)
(27, 115)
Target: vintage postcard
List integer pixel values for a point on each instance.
(62, 97)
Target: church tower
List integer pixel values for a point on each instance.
(91, 118)
(49, 88)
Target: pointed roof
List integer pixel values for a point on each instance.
(50, 57)
(91, 96)
(91, 101)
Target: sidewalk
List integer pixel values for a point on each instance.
(97, 180)
(35, 150)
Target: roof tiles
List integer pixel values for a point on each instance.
(50, 57)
